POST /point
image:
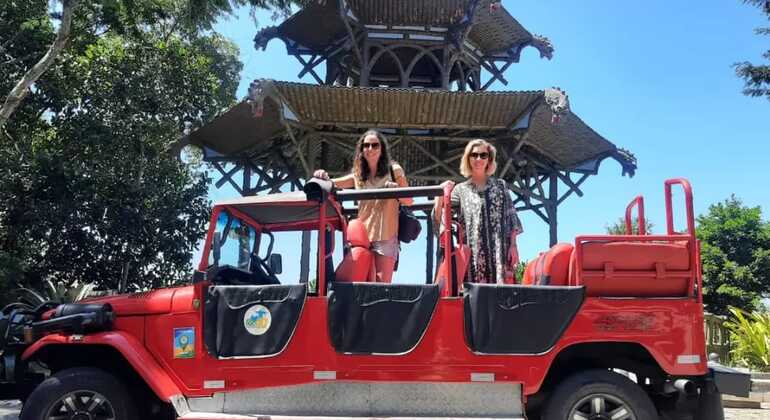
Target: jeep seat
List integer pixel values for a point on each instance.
(550, 268)
(358, 263)
(635, 269)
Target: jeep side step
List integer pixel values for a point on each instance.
(342, 400)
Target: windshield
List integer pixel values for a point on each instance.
(237, 242)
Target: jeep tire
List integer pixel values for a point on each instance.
(79, 393)
(599, 394)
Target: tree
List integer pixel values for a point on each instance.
(89, 192)
(757, 77)
(21, 89)
(619, 227)
(735, 254)
(129, 17)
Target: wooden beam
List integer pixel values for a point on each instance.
(306, 68)
(571, 190)
(491, 67)
(435, 165)
(568, 181)
(421, 137)
(227, 177)
(433, 158)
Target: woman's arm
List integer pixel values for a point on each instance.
(402, 182)
(513, 251)
(514, 223)
(347, 181)
(438, 205)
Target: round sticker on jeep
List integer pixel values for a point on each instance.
(257, 320)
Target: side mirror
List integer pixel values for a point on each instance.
(216, 244)
(275, 263)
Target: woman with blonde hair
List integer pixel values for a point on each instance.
(487, 214)
(373, 168)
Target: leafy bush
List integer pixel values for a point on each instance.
(54, 292)
(750, 336)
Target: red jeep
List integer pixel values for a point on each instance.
(610, 328)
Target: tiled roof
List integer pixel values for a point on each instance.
(568, 143)
(317, 26)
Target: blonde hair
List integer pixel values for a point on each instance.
(465, 164)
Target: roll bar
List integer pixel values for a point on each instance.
(637, 202)
(687, 188)
(387, 193)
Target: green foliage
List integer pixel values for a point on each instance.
(750, 337)
(757, 77)
(89, 190)
(519, 271)
(619, 227)
(735, 252)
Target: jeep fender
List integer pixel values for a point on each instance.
(129, 347)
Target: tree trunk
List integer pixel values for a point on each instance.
(21, 89)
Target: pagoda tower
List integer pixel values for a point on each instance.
(419, 71)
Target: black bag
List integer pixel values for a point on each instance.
(409, 226)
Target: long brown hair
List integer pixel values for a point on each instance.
(361, 168)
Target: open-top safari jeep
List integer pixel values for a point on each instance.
(608, 328)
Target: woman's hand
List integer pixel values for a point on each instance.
(447, 183)
(391, 184)
(320, 173)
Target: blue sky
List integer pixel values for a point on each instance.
(653, 77)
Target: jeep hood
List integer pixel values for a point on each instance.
(146, 303)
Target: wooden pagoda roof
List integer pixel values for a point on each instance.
(540, 120)
(320, 25)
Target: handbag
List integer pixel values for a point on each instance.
(409, 226)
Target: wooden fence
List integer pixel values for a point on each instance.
(717, 338)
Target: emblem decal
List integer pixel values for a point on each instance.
(257, 320)
(184, 343)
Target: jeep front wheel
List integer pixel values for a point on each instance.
(599, 395)
(79, 394)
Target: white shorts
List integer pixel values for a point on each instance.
(387, 248)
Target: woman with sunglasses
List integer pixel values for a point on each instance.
(372, 168)
(487, 214)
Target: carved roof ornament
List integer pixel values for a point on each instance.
(258, 91)
(558, 100)
(630, 159)
(543, 45)
(264, 36)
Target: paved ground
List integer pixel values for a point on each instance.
(743, 414)
(9, 411)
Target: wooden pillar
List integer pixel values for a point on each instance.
(551, 206)
(364, 81)
(246, 187)
(446, 70)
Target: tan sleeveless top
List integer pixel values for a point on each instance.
(379, 216)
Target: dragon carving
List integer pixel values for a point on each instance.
(543, 45)
(264, 36)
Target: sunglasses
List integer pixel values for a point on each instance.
(482, 155)
(373, 146)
